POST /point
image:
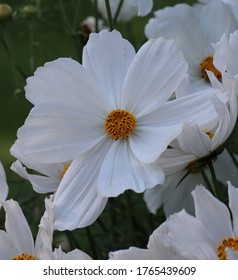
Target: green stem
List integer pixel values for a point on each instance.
(208, 184)
(92, 243)
(12, 55)
(129, 213)
(109, 15)
(64, 17)
(117, 12)
(215, 182)
(31, 41)
(76, 15)
(96, 15)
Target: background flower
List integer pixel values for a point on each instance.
(212, 233)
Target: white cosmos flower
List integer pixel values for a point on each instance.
(187, 157)
(129, 9)
(175, 194)
(88, 25)
(110, 115)
(17, 242)
(157, 249)
(194, 32)
(212, 234)
(3, 185)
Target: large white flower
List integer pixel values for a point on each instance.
(194, 32)
(110, 115)
(129, 9)
(212, 233)
(3, 185)
(185, 162)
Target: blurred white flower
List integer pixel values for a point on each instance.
(194, 30)
(89, 25)
(129, 9)
(185, 161)
(212, 234)
(3, 185)
(110, 115)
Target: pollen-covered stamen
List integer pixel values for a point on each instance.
(210, 134)
(231, 243)
(24, 257)
(66, 166)
(207, 64)
(120, 124)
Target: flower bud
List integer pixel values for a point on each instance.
(5, 13)
(29, 11)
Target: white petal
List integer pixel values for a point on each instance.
(149, 142)
(158, 245)
(177, 193)
(213, 214)
(132, 253)
(180, 24)
(233, 196)
(44, 236)
(64, 81)
(7, 247)
(52, 170)
(195, 142)
(218, 16)
(58, 133)
(222, 130)
(153, 198)
(225, 168)
(76, 254)
(77, 203)
(184, 109)
(224, 56)
(17, 228)
(144, 7)
(41, 184)
(174, 160)
(3, 184)
(121, 171)
(107, 57)
(154, 74)
(186, 233)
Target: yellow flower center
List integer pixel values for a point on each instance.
(231, 243)
(207, 64)
(24, 257)
(119, 124)
(66, 166)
